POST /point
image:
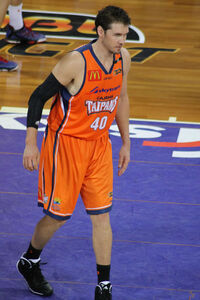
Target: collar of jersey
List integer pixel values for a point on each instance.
(98, 61)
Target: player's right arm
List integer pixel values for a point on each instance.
(65, 73)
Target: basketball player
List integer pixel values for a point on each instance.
(16, 31)
(89, 86)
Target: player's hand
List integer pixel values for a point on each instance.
(31, 157)
(124, 158)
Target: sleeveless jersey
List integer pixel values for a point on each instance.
(89, 113)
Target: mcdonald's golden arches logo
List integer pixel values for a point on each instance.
(94, 75)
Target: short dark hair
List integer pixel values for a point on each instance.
(111, 14)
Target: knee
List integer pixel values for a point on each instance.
(53, 222)
(100, 220)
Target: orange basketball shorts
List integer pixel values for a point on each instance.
(70, 166)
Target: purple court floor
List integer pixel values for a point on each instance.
(155, 218)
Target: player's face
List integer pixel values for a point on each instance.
(115, 37)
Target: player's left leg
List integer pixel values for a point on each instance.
(102, 238)
(102, 244)
(96, 193)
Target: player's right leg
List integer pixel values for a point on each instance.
(60, 177)
(29, 263)
(102, 244)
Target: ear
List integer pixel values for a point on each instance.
(100, 31)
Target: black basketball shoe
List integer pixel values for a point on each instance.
(32, 273)
(103, 291)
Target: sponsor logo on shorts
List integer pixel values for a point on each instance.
(39, 193)
(56, 204)
(45, 198)
(57, 201)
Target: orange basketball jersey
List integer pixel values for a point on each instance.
(89, 113)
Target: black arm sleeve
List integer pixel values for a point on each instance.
(38, 98)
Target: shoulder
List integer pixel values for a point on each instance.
(125, 53)
(72, 59)
(126, 59)
(69, 67)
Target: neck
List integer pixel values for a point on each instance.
(101, 52)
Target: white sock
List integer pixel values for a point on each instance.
(15, 15)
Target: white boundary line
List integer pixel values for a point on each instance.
(10, 109)
(21, 110)
(172, 119)
(163, 121)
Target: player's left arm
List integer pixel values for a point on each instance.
(122, 116)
